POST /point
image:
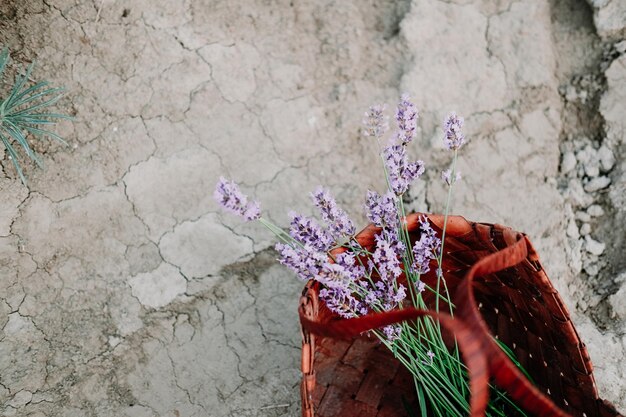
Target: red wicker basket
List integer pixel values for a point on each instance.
(500, 290)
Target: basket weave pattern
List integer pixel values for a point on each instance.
(501, 291)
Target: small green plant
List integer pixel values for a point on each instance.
(25, 112)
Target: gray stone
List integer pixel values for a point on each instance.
(618, 302)
(596, 184)
(592, 269)
(607, 159)
(595, 210)
(577, 194)
(610, 18)
(585, 229)
(572, 230)
(583, 216)
(593, 246)
(568, 162)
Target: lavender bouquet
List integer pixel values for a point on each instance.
(358, 281)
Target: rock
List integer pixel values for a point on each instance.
(596, 184)
(610, 19)
(595, 211)
(568, 162)
(613, 102)
(606, 157)
(582, 216)
(575, 256)
(592, 269)
(588, 158)
(577, 194)
(585, 229)
(617, 302)
(572, 230)
(592, 169)
(593, 246)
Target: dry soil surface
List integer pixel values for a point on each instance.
(125, 291)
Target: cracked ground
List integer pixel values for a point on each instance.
(125, 291)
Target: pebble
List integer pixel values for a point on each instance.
(588, 158)
(592, 169)
(617, 302)
(585, 229)
(576, 257)
(592, 269)
(597, 183)
(593, 246)
(595, 211)
(568, 162)
(583, 216)
(577, 195)
(607, 159)
(572, 230)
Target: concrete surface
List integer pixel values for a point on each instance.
(125, 291)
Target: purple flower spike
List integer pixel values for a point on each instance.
(339, 280)
(446, 176)
(337, 220)
(426, 248)
(453, 136)
(381, 210)
(401, 172)
(306, 231)
(406, 116)
(305, 262)
(375, 122)
(385, 259)
(229, 196)
(392, 332)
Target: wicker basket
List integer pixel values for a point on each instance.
(500, 290)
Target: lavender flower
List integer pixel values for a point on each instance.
(229, 196)
(306, 231)
(342, 302)
(381, 210)
(375, 121)
(420, 286)
(337, 220)
(401, 172)
(431, 355)
(406, 116)
(426, 248)
(383, 295)
(399, 294)
(344, 272)
(305, 262)
(393, 237)
(372, 297)
(392, 332)
(385, 260)
(340, 280)
(447, 174)
(453, 137)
